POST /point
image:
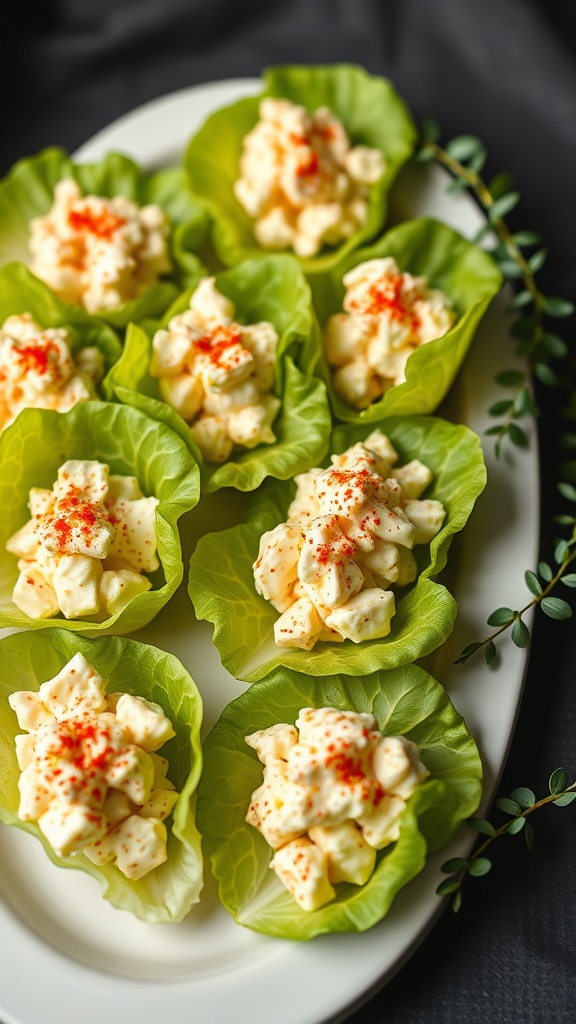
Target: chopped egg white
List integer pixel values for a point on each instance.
(86, 547)
(387, 316)
(38, 370)
(89, 775)
(349, 537)
(218, 374)
(97, 252)
(333, 793)
(300, 179)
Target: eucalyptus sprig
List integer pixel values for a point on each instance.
(540, 586)
(518, 807)
(464, 157)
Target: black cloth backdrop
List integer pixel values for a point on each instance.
(506, 72)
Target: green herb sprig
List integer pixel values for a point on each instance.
(518, 807)
(464, 157)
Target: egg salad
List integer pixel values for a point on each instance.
(86, 546)
(349, 537)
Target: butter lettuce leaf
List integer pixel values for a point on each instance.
(372, 113)
(466, 274)
(34, 447)
(28, 191)
(271, 289)
(22, 292)
(405, 701)
(221, 582)
(26, 660)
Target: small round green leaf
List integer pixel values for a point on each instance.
(554, 345)
(545, 571)
(560, 551)
(569, 580)
(490, 652)
(463, 147)
(537, 260)
(516, 825)
(524, 796)
(558, 781)
(532, 582)
(448, 886)
(454, 864)
(499, 408)
(523, 298)
(546, 375)
(500, 617)
(529, 836)
(520, 633)
(510, 269)
(525, 404)
(565, 799)
(499, 185)
(526, 238)
(457, 901)
(510, 378)
(482, 825)
(509, 806)
(556, 608)
(503, 205)
(517, 435)
(557, 307)
(567, 491)
(480, 866)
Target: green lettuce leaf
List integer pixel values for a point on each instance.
(221, 582)
(273, 289)
(22, 292)
(28, 192)
(35, 446)
(466, 274)
(28, 659)
(404, 701)
(371, 112)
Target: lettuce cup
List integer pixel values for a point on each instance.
(90, 501)
(129, 701)
(106, 237)
(229, 369)
(51, 354)
(404, 703)
(343, 135)
(396, 320)
(338, 576)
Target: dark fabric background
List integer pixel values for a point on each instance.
(505, 71)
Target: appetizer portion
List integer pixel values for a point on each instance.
(218, 374)
(101, 755)
(315, 826)
(306, 166)
(333, 793)
(98, 252)
(91, 499)
(230, 369)
(349, 566)
(387, 315)
(38, 368)
(91, 777)
(107, 238)
(398, 318)
(88, 542)
(301, 180)
(348, 538)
